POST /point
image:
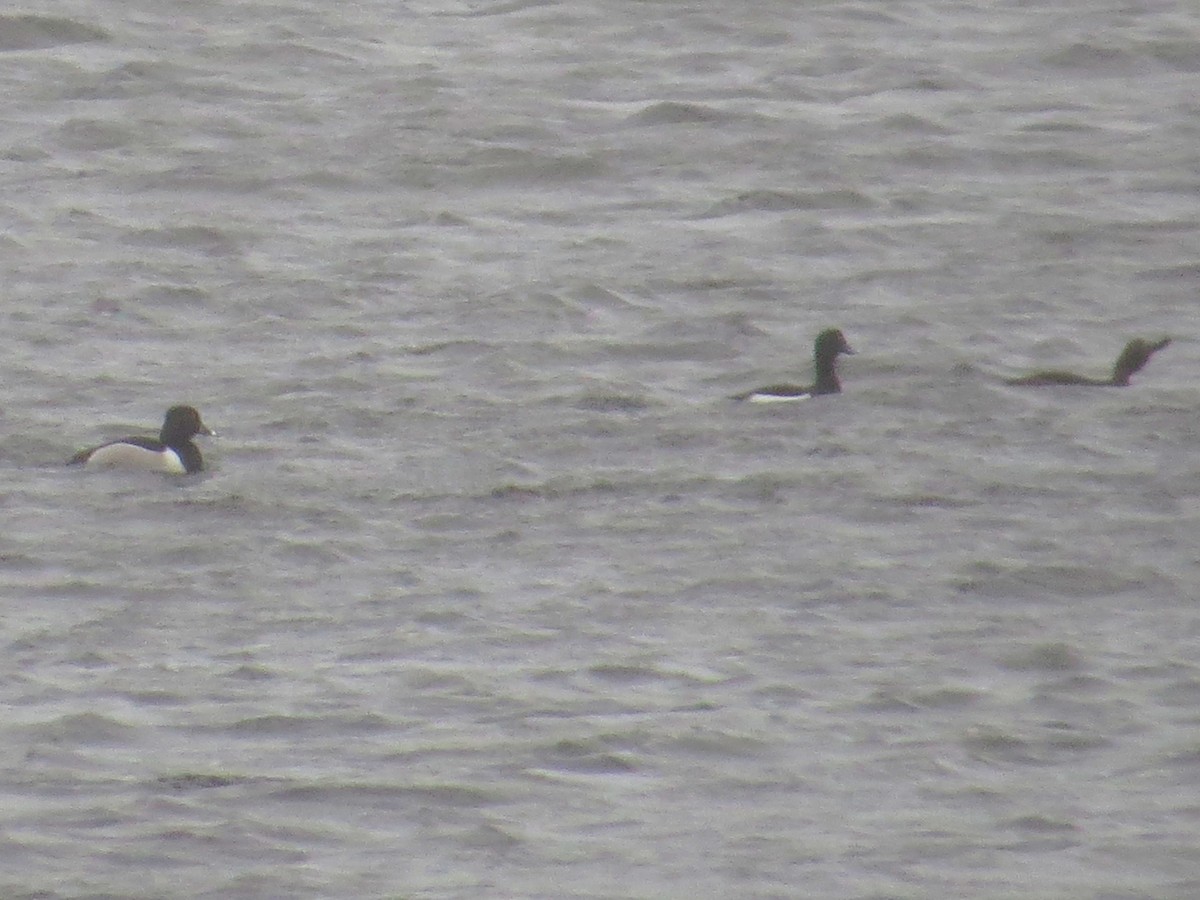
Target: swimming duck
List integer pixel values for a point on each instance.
(172, 453)
(828, 345)
(1135, 355)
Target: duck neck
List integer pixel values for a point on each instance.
(827, 380)
(189, 455)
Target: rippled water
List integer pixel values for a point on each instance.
(489, 590)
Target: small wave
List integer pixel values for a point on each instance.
(189, 781)
(284, 725)
(1188, 273)
(1045, 745)
(499, 9)
(92, 135)
(550, 491)
(388, 795)
(624, 673)
(455, 348)
(673, 351)
(1180, 55)
(717, 743)
(1180, 693)
(1039, 824)
(1077, 581)
(250, 672)
(489, 837)
(1055, 657)
(138, 78)
(41, 32)
(1048, 160)
(582, 757)
(618, 485)
(673, 113)
(1096, 58)
(930, 501)
(523, 166)
(1059, 125)
(84, 728)
(784, 201)
(900, 700)
(197, 238)
(913, 124)
(611, 403)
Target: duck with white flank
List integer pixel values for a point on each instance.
(1135, 355)
(829, 344)
(172, 453)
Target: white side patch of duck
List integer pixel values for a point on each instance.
(131, 456)
(778, 398)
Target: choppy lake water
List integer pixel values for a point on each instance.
(489, 590)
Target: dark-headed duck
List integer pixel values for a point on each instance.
(172, 453)
(828, 345)
(1135, 355)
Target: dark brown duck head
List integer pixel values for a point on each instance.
(181, 424)
(828, 345)
(1135, 355)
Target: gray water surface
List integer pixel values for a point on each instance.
(489, 590)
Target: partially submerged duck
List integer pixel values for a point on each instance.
(1135, 355)
(172, 453)
(828, 345)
